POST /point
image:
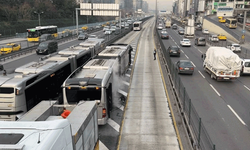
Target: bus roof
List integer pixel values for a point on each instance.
(42, 27)
(113, 51)
(74, 50)
(137, 22)
(92, 42)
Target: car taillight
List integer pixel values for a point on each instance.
(181, 68)
(104, 113)
(191, 68)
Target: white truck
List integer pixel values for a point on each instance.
(49, 126)
(189, 32)
(168, 24)
(222, 64)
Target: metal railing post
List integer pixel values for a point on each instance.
(184, 99)
(189, 113)
(199, 133)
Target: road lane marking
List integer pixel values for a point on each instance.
(193, 64)
(186, 56)
(247, 88)
(102, 146)
(114, 125)
(182, 51)
(214, 89)
(236, 114)
(201, 74)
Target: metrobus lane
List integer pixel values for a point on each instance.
(209, 101)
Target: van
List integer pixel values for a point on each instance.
(245, 67)
(200, 41)
(47, 47)
(45, 37)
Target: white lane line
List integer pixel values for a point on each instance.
(214, 89)
(182, 51)
(200, 51)
(121, 108)
(102, 146)
(201, 74)
(193, 64)
(126, 83)
(236, 114)
(247, 88)
(186, 56)
(113, 124)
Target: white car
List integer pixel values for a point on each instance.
(245, 66)
(164, 31)
(213, 38)
(185, 42)
(113, 28)
(234, 47)
(160, 27)
(105, 28)
(108, 32)
(205, 31)
(92, 36)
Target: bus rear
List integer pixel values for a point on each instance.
(137, 26)
(231, 23)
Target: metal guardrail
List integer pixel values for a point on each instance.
(200, 138)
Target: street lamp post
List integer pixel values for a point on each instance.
(38, 15)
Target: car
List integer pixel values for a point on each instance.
(159, 27)
(47, 47)
(245, 69)
(85, 28)
(164, 31)
(164, 35)
(198, 27)
(200, 41)
(174, 51)
(184, 67)
(126, 26)
(82, 36)
(105, 28)
(185, 42)
(98, 26)
(10, 47)
(181, 31)
(66, 33)
(113, 28)
(108, 32)
(213, 38)
(174, 26)
(222, 37)
(205, 31)
(92, 36)
(234, 47)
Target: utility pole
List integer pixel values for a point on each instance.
(156, 11)
(38, 16)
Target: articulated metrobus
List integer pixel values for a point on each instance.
(137, 26)
(231, 23)
(29, 84)
(92, 82)
(35, 33)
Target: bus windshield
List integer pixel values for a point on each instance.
(233, 22)
(33, 34)
(89, 94)
(6, 90)
(136, 25)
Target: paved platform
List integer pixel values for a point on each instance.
(147, 124)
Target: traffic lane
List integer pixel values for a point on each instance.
(15, 63)
(210, 95)
(229, 94)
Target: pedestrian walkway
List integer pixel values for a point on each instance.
(147, 124)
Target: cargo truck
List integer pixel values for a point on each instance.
(168, 24)
(50, 126)
(222, 64)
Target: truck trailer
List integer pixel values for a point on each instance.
(222, 64)
(50, 126)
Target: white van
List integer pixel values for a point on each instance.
(245, 66)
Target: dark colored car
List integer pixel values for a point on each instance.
(174, 51)
(164, 35)
(181, 31)
(200, 41)
(198, 28)
(47, 47)
(185, 67)
(174, 26)
(45, 37)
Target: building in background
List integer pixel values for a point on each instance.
(145, 6)
(95, 1)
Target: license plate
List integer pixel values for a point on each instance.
(186, 68)
(174, 52)
(226, 78)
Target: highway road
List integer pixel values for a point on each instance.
(223, 106)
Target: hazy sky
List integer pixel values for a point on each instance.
(162, 4)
